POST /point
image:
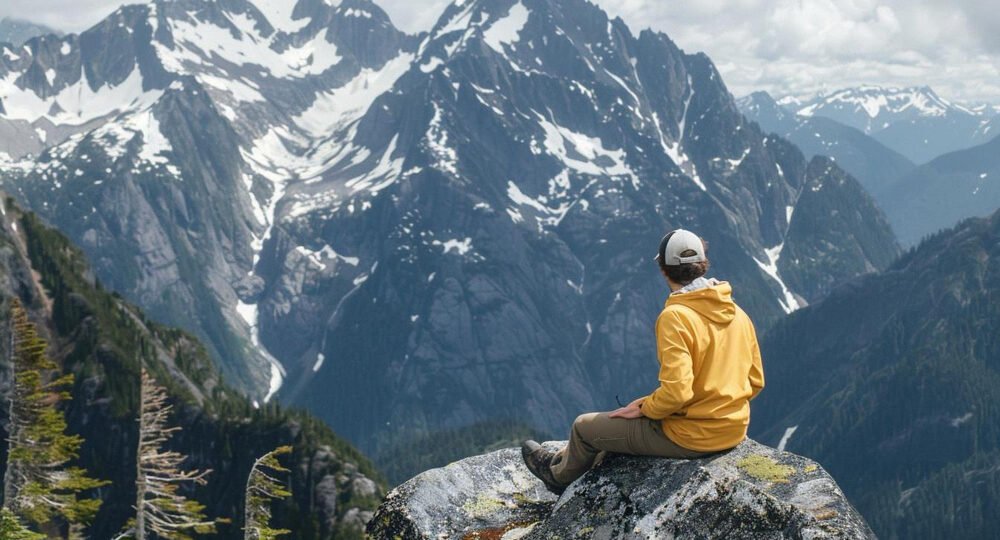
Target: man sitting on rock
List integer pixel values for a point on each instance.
(710, 369)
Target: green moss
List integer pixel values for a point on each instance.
(765, 468)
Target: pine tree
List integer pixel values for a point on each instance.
(160, 509)
(11, 528)
(263, 487)
(38, 486)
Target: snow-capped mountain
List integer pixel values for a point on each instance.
(410, 232)
(170, 130)
(915, 121)
(872, 163)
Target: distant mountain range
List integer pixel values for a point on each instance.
(16, 31)
(893, 383)
(875, 165)
(915, 122)
(410, 233)
(918, 201)
(939, 194)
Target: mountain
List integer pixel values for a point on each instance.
(16, 31)
(918, 201)
(869, 161)
(892, 382)
(406, 234)
(915, 122)
(939, 194)
(103, 340)
(158, 132)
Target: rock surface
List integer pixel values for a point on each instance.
(753, 491)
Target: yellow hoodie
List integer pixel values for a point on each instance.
(710, 369)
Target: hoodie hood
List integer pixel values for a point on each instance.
(714, 303)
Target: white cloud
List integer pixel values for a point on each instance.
(804, 46)
(783, 46)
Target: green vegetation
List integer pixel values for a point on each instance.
(11, 528)
(103, 342)
(894, 382)
(39, 486)
(263, 487)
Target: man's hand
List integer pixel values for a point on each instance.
(629, 411)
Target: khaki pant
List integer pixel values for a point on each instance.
(596, 433)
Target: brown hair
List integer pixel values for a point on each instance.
(687, 272)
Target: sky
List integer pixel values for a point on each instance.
(786, 47)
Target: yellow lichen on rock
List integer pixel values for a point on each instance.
(765, 468)
(483, 506)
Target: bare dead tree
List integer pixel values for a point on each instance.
(160, 509)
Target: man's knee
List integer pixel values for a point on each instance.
(584, 425)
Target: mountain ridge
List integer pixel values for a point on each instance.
(914, 121)
(408, 221)
(875, 165)
(889, 380)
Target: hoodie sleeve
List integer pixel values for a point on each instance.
(756, 367)
(673, 345)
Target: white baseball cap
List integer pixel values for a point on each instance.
(681, 247)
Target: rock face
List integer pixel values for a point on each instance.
(753, 491)
(391, 230)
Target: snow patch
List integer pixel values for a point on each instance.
(786, 437)
(789, 304)
(597, 160)
(956, 422)
(325, 254)
(339, 108)
(508, 29)
(674, 150)
(460, 247)
(77, 103)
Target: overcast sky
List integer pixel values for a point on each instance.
(783, 46)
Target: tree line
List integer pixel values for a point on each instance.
(45, 496)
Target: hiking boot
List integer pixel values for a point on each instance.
(539, 461)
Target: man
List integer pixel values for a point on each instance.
(710, 369)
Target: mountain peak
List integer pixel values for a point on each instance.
(875, 100)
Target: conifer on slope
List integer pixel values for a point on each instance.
(39, 487)
(263, 487)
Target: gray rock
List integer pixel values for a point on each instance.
(326, 499)
(356, 518)
(363, 486)
(753, 491)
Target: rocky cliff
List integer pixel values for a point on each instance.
(753, 491)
